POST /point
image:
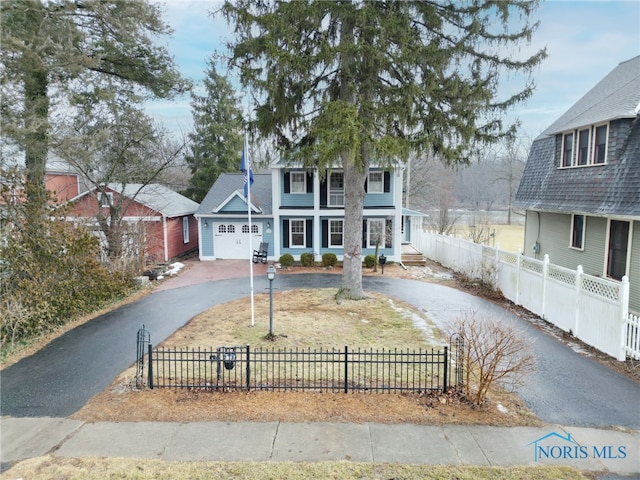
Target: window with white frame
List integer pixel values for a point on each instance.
(567, 149)
(600, 144)
(185, 229)
(298, 182)
(618, 249)
(375, 183)
(336, 233)
(336, 189)
(105, 199)
(375, 232)
(296, 233)
(577, 231)
(585, 146)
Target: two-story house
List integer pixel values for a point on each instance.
(295, 211)
(581, 183)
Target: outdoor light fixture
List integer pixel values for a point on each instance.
(271, 274)
(382, 260)
(205, 223)
(268, 225)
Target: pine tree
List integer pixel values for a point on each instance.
(56, 53)
(216, 141)
(347, 83)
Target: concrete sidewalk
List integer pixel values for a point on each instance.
(586, 449)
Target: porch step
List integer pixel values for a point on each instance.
(413, 259)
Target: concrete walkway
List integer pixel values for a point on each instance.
(588, 449)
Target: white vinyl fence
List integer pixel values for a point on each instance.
(593, 309)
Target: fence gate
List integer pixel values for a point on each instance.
(143, 339)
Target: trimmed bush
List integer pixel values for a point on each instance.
(307, 259)
(286, 260)
(369, 261)
(329, 259)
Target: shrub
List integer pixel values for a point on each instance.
(369, 261)
(307, 259)
(286, 260)
(494, 352)
(329, 259)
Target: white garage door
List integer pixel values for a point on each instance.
(231, 240)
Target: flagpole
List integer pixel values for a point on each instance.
(248, 180)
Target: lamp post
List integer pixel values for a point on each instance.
(271, 274)
(382, 260)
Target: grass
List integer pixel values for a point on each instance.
(509, 237)
(313, 319)
(48, 467)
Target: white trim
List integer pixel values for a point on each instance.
(329, 222)
(304, 233)
(240, 195)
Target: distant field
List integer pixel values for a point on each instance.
(509, 237)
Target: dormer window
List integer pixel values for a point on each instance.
(585, 146)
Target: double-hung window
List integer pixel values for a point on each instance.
(297, 233)
(298, 182)
(336, 233)
(583, 147)
(618, 249)
(600, 144)
(375, 232)
(577, 231)
(567, 149)
(185, 229)
(375, 182)
(336, 189)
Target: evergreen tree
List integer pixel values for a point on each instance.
(64, 51)
(216, 142)
(347, 83)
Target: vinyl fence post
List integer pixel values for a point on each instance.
(578, 286)
(545, 277)
(625, 330)
(150, 381)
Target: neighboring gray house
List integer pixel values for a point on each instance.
(296, 212)
(581, 184)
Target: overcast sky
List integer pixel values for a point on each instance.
(585, 40)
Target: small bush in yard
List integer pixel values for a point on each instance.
(369, 261)
(494, 352)
(329, 260)
(286, 260)
(307, 259)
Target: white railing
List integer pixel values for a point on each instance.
(593, 309)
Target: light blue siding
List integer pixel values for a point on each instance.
(294, 200)
(235, 205)
(206, 236)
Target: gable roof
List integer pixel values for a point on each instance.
(229, 184)
(616, 96)
(609, 189)
(154, 196)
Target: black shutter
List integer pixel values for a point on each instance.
(309, 233)
(309, 182)
(388, 237)
(285, 233)
(287, 182)
(387, 182)
(364, 234)
(366, 184)
(325, 233)
(323, 193)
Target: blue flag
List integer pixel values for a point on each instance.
(245, 168)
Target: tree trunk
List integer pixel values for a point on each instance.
(353, 200)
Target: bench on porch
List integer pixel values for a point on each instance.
(260, 255)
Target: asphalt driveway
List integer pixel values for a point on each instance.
(58, 380)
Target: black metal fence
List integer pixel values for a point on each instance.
(241, 368)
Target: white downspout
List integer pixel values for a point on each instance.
(164, 235)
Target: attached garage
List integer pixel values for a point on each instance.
(234, 241)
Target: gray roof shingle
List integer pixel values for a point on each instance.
(228, 183)
(157, 197)
(611, 189)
